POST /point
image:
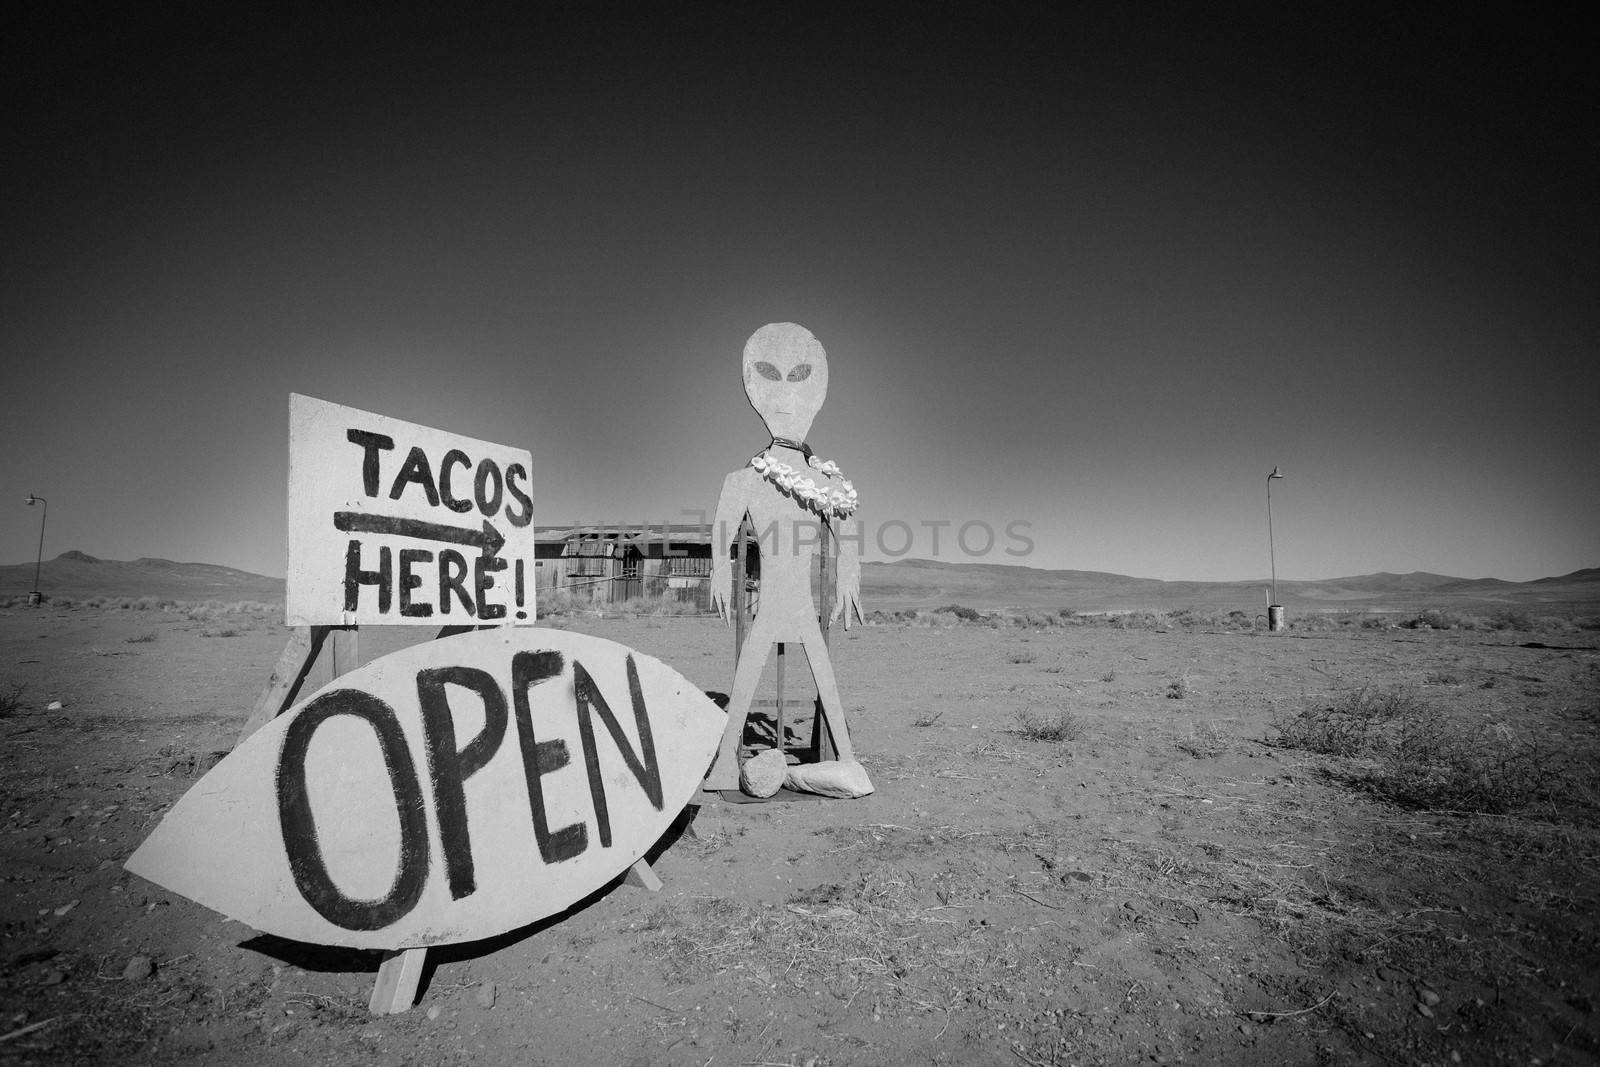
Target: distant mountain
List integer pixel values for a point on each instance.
(921, 583)
(78, 574)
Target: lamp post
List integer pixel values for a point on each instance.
(35, 598)
(1274, 609)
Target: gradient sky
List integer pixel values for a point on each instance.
(1098, 273)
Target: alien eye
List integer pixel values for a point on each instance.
(769, 371)
(800, 373)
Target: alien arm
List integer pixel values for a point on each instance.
(847, 587)
(730, 513)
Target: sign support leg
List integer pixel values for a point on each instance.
(399, 975)
(640, 876)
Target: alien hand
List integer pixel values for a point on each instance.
(847, 599)
(721, 588)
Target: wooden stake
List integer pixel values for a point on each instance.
(399, 975)
(641, 876)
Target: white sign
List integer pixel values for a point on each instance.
(451, 791)
(391, 523)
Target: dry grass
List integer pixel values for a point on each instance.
(1055, 728)
(1416, 756)
(871, 935)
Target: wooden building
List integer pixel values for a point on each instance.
(611, 564)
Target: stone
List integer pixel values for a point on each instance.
(762, 775)
(138, 969)
(485, 994)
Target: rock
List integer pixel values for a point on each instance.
(434, 1013)
(485, 995)
(54, 705)
(138, 969)
(54, 976)
(68, 906)
(1428, 997)
(762, 775)
(34, 955)
(1423, 1010)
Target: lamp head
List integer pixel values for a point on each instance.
(1275, 474)
(32, 500)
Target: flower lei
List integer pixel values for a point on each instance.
(825, 501)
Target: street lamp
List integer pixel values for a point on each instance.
(1274, 609)
(35, 598)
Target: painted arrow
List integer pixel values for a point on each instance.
(488, 539)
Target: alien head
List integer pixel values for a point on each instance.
(786, 378)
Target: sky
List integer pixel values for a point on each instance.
(1084, 276)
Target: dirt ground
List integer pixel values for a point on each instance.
(1167, 883)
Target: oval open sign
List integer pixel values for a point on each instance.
(449, 792)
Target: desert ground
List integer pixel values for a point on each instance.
(1153, 839)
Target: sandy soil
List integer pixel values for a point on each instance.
(1166, 887)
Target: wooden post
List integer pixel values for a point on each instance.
(822, 746)
(286, 679)
(779, 716)
(399, 975)
(740, 594)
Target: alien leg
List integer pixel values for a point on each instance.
(746, 677)
(827, 689)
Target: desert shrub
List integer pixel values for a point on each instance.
(1347, 727)
(1440, 678)
(226, 631)
(142, 639)
(1195, 618)
(1136, 620)
(927, 719)
(1435, 619)
(1021, 657)
(650, 605)
(11, 701)
(1177, 690)
(964, 614)
(1420, 758)
(1433, 764)
(1057, 728)
(878, 618)
(1205, 741)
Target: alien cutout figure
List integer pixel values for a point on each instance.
(788, 495)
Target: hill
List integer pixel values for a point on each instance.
(923, 583)
(78, 574)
